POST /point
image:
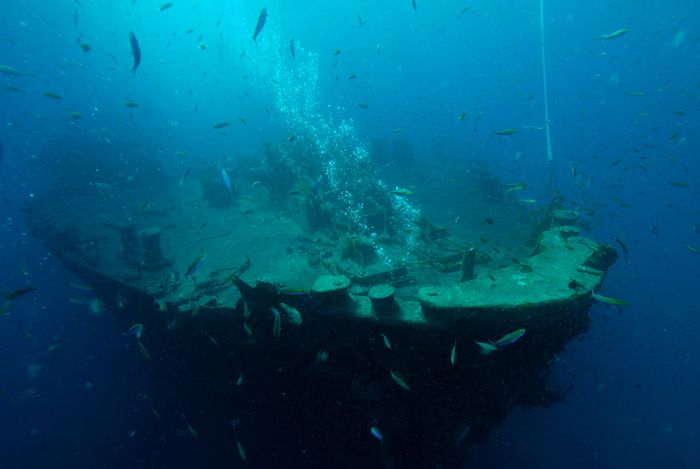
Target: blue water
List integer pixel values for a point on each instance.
(635, 373)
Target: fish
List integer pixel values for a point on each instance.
(510, 338)
(322, 356)
(247, 330)
(293, 314)
(166, 6)
(675, 136)
(14, 89)
(609, 300)
(221, 125)
(240, 380)
(52, 95)
(19, 292)
(386, 341)
(527, 201)
(276, 323)
(143, 350)
(485, 347)
(195, 265)
(614, 34)
(318, 184)
(227, 181)
(402, 192)
(162, 304)
(681, 184)
(135, 331)
(131, 104)
(622, 245)
(241, 451)
(692, 249)
(6, 69)
(462, 116)
(78, 300)
(516, 186)
(375, 432)
(85, 46)
(75, 116)
(413, 3)
(399, 380)
(508, 131)
(5, 306)
(192, 431)
(291, 49)
(53, 347)
(453, 354)
(135, 51)
(261, 23)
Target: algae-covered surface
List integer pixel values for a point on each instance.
(559, 272)
(181, 241)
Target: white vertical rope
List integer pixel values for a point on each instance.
(550, 157)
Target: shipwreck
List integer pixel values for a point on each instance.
(329, 317)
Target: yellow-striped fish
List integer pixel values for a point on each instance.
(609, 300)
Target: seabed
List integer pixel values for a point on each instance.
(299, 322)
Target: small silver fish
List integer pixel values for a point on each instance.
(386, 341)
(227, 181)
(277, 324)
(293, 314)
(509, 338)
(241, 451)
(143, 350)
(485, 347)
(375, 432)
(399, 380)
(135, 331)
(261, 23)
